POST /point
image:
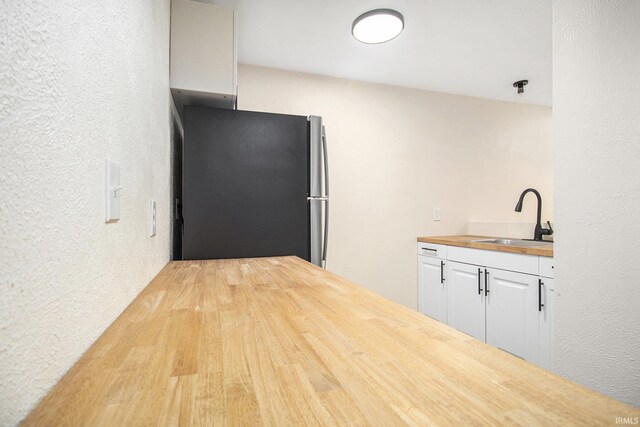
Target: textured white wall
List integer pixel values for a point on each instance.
(596, 80)
(80, 81)
(396, 153)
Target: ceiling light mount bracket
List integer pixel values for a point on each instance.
(520, 84)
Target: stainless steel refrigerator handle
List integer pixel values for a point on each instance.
(317, 247)
(325, 161)
(326, 233)
(326, 194)
(318, 190)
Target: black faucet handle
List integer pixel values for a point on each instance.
(548, 231)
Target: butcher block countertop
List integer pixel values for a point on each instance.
(278, 341)
(467, 242)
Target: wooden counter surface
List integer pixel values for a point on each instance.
(467, 242)
(278, 341)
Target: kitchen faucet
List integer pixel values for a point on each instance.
(539, 231)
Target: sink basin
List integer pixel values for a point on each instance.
(514, 242)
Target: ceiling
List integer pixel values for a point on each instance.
(468, 47)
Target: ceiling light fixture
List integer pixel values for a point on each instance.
(378, 26)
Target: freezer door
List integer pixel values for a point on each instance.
(318, 166)
(319, 221)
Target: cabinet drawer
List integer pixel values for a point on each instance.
(432, 250)
(546, 266)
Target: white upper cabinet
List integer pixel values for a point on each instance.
(203, 54)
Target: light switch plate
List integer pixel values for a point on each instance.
(111, 191)
(436, 214)
(152, 218)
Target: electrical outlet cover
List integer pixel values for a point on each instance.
(436, 214)
(111, 191)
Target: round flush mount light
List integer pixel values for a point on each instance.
(378, 26)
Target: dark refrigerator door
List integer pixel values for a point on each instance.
(245, 184)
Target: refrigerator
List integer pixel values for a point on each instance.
(254, 185)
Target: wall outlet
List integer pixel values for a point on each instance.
(111, 191)
(436, 214)
(152, 218)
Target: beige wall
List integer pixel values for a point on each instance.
(596, 57)
(397, 153)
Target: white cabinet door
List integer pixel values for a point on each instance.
(545, 322)
(432, 293)
(512, 313)
(465, 295)
(203, 60)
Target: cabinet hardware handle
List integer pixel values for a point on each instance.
(486, 282)
(429, 249)
(540, 304)
(479, 279)
(442, 272)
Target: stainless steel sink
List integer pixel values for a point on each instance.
(514, 242)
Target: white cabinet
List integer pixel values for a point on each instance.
(504, 299)
(432, 291)
(512, 313)
(546, 312)
(203, 61)
(466, 299)
(545, 267)
(496, 306)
